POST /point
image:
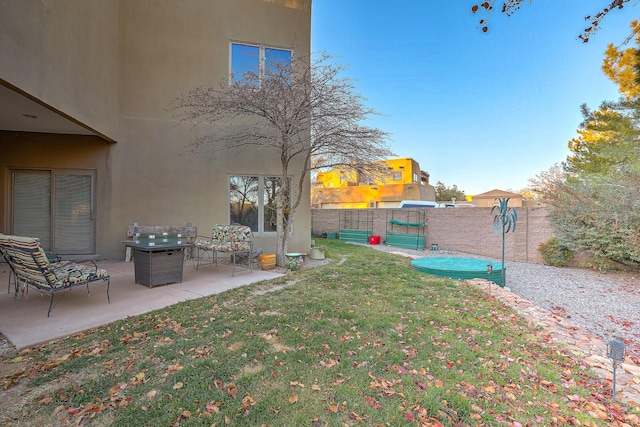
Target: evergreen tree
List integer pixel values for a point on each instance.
(594, 199)
(446, 194)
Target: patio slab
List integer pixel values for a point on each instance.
(24, 321)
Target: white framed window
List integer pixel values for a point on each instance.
(252, 201)
(256, 60)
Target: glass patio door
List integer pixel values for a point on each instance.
(57, 207)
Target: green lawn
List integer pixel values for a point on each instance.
(364, 340)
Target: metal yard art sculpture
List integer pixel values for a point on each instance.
(504, 221)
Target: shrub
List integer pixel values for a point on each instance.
(554, 253)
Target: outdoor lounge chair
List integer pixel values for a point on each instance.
(51, 257)
(30, 266)
(236, 240)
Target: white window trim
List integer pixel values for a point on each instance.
(261, 206)
(261, 56)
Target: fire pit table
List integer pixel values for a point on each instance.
(158, 259)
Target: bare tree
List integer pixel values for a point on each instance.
(301, 110)
(509, 7)
(545, 184)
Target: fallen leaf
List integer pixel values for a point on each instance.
(489, 389)
(233, 391)
(213, 407)
(138, 379)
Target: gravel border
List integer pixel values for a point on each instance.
(605, 304)
(6, 347)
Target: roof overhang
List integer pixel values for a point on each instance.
(21, 112)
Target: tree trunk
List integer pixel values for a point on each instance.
(282, 227)
(281, 243)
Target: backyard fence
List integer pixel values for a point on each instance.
(468, 230)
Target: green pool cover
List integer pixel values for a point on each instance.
(460, 268)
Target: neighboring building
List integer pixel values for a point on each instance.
(488, 199)
(343, 188)
(88, 144)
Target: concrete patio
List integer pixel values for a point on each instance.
(25, 323)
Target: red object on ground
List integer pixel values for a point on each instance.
(374, 240)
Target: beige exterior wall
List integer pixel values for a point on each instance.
(468, 230)
(488, 199)
(65, 54)
(64, 152)
(153, 52)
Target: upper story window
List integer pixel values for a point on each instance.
(257, 61)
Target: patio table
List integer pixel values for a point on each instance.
(158, 259)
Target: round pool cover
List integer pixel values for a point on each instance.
(460, 268)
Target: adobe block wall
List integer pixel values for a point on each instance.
(468, 230)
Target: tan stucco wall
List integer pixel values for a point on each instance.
(468, 230)
(166, 52)
(158, 50)
(488, 199)
(64, 53)
(46, 151)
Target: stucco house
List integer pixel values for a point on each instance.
(342, 188)
(88, 144)
(488, 199)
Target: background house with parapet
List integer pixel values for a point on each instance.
(488, 199)
(88, 144)
(343, 188)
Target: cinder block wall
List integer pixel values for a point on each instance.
(468, 230)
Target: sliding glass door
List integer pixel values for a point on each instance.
(56, 206)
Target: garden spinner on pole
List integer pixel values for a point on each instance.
(504, 221)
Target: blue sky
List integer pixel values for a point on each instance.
(480, 111)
